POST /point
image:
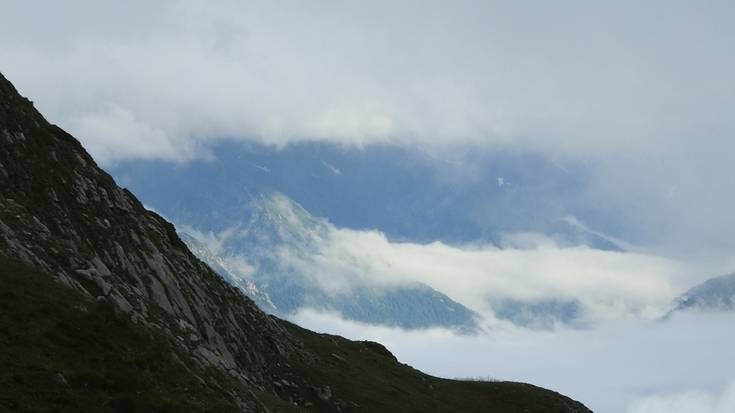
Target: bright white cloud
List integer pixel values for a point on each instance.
(634, 366)
(529, 267)
(609, 284)
(133, 137)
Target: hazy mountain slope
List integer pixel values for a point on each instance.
(269, 253)
(407, 194)
(715, 294)
(539, 314)
(63, 216)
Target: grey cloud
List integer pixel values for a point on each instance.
(570, 77)
(642, 92)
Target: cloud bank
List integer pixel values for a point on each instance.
(609, 284)
(571, 76)
(528, 268)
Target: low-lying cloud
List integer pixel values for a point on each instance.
(636, 366)
(528, 268)
(608, 284)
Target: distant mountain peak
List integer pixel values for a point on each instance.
(715, 294)
(275, 226)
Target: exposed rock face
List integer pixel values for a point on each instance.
(62, 214)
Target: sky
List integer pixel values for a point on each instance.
(639, 93)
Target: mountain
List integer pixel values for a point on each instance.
(117, 315)
(269, 251)
(715, 294)
(484, 198)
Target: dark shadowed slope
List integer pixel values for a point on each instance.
(64, 217)
(62, 352)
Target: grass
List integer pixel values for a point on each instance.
(369, 375)
(62, 353)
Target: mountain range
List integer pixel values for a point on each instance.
(263, 213)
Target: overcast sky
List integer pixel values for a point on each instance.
(642, 92)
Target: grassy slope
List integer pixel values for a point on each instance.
(368, 374)
(108, 363)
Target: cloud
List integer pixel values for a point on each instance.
(530, 267)
(132, 136)
(608, 284)
(688, 402)
(635, 366)
(639, 92)
(419, 72)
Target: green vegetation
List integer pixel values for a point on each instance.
(368, 375)
(63, 353)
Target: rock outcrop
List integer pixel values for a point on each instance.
(62, 214)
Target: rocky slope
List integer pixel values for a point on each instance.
(63, 216)
(66, 217)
